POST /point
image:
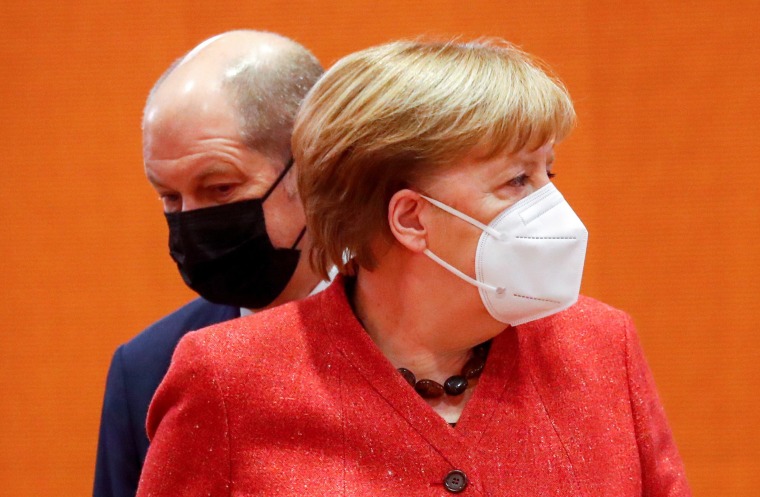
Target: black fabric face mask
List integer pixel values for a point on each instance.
(224, 252)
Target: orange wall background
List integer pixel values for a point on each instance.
(663, 169)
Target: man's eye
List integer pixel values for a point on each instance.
(171, 202)
(222, 189)
(169, 198)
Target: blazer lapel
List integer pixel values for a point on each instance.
(457, 446)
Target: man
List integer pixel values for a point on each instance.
(216, 147)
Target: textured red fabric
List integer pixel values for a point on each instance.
(298, 401)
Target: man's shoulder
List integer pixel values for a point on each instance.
(162, 336)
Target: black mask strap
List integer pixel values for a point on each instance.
(279, 178)
(300, 235)
(271, 189)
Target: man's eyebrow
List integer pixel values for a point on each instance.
(215, 169)
(153, 180)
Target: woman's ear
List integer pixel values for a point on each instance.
(404, 219)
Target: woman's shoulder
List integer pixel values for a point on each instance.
(588, 328)
(591, 311)
(260, 334)
(590, 315)
(577, 355)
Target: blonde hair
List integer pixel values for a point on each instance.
(381, 119)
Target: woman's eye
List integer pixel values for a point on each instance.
(518, 181)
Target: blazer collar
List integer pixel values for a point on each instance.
(456, 445)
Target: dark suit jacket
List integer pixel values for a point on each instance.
(137, 368)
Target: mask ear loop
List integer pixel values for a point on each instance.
(300, 235)
(278, 180)
(464, 217)
(271, 189)
(457, 272)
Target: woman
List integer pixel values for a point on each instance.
(451, 356)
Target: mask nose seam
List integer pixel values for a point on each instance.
(530, 218)
(526, 203)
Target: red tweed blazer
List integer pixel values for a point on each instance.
(298, 401)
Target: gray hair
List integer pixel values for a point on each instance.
(265, 92)
(267, 95)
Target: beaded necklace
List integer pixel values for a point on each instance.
(454, 385)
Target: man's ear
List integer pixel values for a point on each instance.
(290, 183)
(404, 219)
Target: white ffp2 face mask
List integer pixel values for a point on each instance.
(529, 260)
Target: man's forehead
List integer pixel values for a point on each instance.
(186, 105)
(187, 89)
(190, 171)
